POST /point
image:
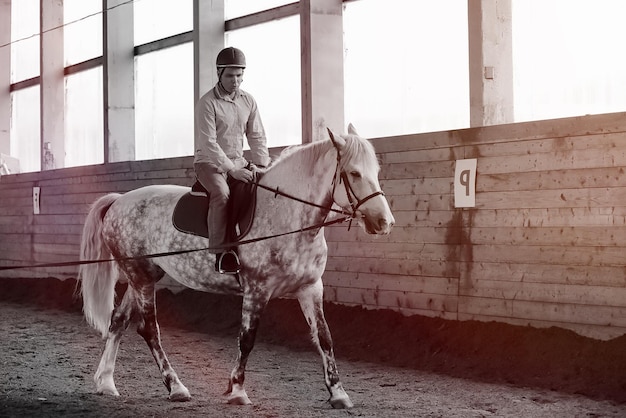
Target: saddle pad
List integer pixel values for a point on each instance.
(190, 213)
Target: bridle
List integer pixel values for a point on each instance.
(355, 202)
(340, 177)
(353, 199)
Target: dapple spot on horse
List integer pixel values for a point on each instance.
(295, 194)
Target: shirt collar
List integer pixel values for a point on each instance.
(223, 94)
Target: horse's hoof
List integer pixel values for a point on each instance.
(341, 402)
(239, 400)
(179, 397)
(238, 396)
(179, 393)
(105, 386)
(107, 391)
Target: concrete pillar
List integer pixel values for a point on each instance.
(321, 34)
(52, 85)
(208, 40)
(119, 81)
(5, 76)
(490, 62)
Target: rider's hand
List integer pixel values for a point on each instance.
(241, 174)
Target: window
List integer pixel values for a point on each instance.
(272, 76)
(84, 138)
(24, 40)
(82, 33)
(406, 66)
(568, 58)
(238, 8)
(164, 103)
(157, 19)
(25, 128)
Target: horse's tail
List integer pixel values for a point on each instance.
(97, 279)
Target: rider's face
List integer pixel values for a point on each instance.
(232, 78)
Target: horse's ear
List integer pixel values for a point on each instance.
(352, 130)
(337, 140)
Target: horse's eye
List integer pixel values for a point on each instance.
(355, 174)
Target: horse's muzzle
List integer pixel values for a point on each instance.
(380, 225)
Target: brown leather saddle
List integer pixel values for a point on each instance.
(190, 213)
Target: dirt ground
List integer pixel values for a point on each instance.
(391, 366)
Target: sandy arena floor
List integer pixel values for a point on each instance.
(391, 366)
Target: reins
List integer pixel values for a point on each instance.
(355, 203)
(278, 192)
(172, 253)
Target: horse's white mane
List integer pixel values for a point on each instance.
(313, 148)
(356, 147)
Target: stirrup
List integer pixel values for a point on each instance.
(234, 269)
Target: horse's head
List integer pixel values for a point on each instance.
(357, 189)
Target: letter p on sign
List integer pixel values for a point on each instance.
(465, 183)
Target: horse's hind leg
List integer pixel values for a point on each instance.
(311, 302)
(120, 319)
(148, 328)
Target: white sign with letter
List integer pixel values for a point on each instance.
(465, 183)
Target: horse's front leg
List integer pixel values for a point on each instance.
(311, 302)
(252, 309)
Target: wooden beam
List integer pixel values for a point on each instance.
(265, 16)
(321, 40)
(175, 40)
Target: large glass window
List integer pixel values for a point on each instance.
(25, 128)
(406, 66)
(84, 141)
(272, 76)
(568, 58)
(24, 40)
(157, 19)
(164, 103)
(82, 31)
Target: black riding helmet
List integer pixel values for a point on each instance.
(231, 57)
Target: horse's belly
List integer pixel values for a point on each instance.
(196, 271)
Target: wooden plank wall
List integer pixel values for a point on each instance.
(543, 246)
(66, 194)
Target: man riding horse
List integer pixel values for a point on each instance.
(222, 117)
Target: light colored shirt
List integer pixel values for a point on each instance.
(221, 123)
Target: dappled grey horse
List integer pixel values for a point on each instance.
(303, 186)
